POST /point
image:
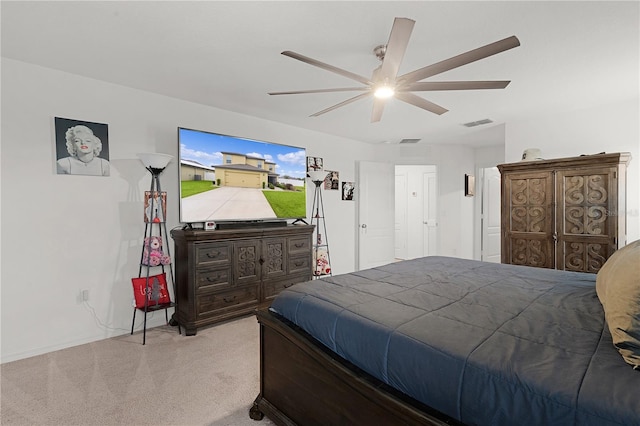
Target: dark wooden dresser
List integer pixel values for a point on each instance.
(223, 274)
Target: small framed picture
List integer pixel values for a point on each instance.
(314, 164)
(469, 185)
(332, 181)
(347, 190)
(155, 208)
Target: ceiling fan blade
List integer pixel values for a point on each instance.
(455, 85)
(327, 67)
(341, 89)
(396, 48)
(341, 104)
(378, 107)
(415, 100)
(459, 60)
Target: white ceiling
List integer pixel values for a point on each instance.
(227, 55)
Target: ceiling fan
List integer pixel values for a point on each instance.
(385, 81)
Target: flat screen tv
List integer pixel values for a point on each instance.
(232, 179)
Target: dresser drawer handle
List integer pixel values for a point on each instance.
(213, 278)
(213, 255)
(288, 285)
(299, 263)
(229, 299)
(298, 245)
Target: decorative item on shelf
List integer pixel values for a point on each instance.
(155, 211)
(152, 294)
(531, 154)
(151, 290)
(322, 261)
(152, 254)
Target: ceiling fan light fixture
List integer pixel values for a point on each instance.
(384, 92)
(385, 81)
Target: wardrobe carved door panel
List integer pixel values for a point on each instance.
(586, 218)
(529, 224)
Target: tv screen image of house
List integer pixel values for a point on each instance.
(227, 179)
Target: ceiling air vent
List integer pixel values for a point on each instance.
(477, 123)
(410, 141)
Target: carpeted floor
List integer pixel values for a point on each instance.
(208, 379)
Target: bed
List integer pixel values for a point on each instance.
(441, 340)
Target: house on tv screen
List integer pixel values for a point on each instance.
(245, 171)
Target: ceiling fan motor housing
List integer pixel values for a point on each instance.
(380, 50)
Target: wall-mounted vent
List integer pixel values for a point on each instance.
(410, 141)
(477, 123)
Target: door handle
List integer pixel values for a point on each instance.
(364, 225)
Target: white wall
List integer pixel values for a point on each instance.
(63, 233)
(610, 128)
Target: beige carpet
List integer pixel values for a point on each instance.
(208, 379)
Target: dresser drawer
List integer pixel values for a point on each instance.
(272, 288)
(208, 279)
(212, 304)
(299, 245)
(299, 264)
(212, 254)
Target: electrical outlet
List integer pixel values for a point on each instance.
(85, 295)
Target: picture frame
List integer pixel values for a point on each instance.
(314, 164)
(82, 147)
(332, 181)
(469, 185)
(159, 214)
(348, 189)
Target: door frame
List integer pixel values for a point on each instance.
(477, 220)
(358, 244)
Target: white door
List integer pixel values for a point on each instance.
(429, 221)
(416, 208)
(376, 211)
(401, 218)
(490, 215)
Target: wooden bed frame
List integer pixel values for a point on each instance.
(303, 383)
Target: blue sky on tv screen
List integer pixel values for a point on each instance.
(206, 149)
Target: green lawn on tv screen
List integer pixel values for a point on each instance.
(287, 203)
(192, 187)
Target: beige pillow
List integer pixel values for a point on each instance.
(618, 288)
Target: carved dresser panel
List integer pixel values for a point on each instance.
(566, 213)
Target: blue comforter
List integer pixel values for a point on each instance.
(484, 343)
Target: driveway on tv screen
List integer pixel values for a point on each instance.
(228, 203)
